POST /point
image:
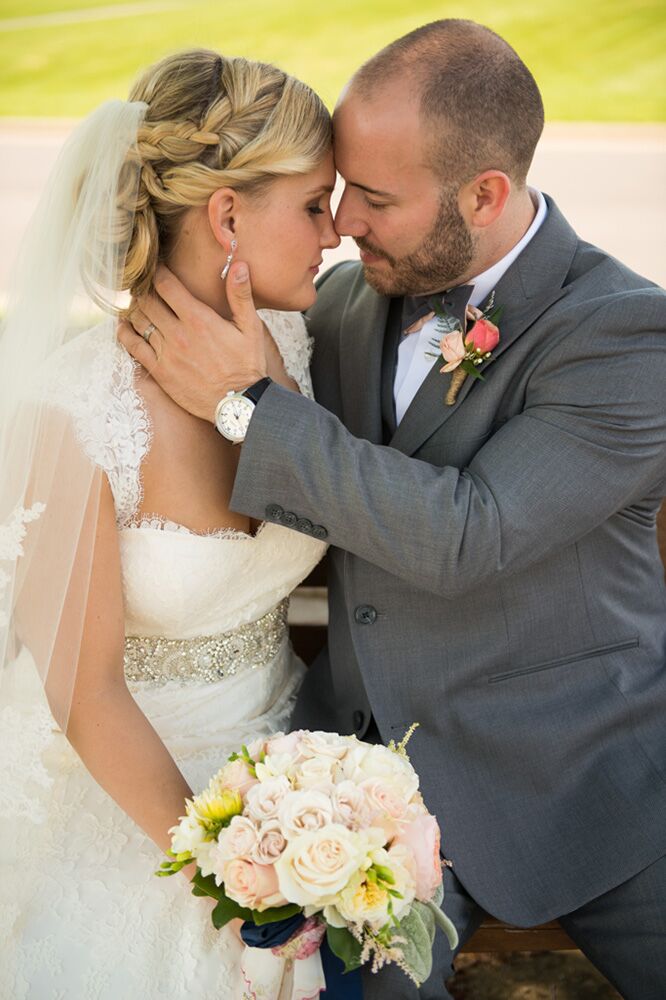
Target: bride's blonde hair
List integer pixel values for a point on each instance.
(211, 122)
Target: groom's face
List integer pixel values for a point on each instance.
(403, 216)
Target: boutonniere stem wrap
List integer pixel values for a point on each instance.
(465, 350)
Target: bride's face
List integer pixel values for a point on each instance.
(281, 235)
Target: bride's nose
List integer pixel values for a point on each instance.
(329, 237)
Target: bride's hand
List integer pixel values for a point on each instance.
(194, 354)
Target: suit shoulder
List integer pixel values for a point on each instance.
(333, 292)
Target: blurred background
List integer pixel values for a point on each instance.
(600, 65)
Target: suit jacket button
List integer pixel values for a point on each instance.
(365, 614)
(304, 524)
(319, 532)
(358, 719)
(289, 519)
(274, 512)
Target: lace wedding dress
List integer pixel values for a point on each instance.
(207, 658)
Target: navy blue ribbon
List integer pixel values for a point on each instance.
(340, 985)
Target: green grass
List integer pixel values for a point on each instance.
(600, 60)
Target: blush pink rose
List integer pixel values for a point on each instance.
(453, 350)
(284, 743)
(237, 777)
(270, 845)
(421, 837)
(252, 885)
(484, 336)
(238, 840)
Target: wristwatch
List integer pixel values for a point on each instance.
(234, 411)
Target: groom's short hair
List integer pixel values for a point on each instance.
(480, 104)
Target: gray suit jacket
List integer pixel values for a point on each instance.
(495, 573)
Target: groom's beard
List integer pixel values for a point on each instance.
(443, 257)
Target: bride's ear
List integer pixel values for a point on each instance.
(222, 210)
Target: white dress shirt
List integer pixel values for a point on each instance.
(415, 351)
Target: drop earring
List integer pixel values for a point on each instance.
(225, 270)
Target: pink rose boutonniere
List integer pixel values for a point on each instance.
(464, 350)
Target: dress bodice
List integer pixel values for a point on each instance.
(181, 585)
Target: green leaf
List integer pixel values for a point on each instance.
(345, 946)
(204, 885)
(444, 924)
(471, 369)
(417, 929)
(275, 913)
(226, 910)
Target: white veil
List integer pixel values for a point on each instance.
(69, 269)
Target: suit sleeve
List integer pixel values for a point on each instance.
(590, 441)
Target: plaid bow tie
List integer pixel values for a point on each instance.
(418, 309)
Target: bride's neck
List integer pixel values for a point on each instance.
(193, 266)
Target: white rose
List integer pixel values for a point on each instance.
(349, 805)
(316, 771)
(274, 765)
(263, 800)
(320, 744)
(304, 811)
(271, 843)
(365, 761)
(238, 840)
(316, 866)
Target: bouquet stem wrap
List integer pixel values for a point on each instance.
(268, 967)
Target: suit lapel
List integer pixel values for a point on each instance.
(531, 285)
(361, 341)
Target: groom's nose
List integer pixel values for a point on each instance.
(349, 219)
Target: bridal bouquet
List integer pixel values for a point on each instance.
(321, 844)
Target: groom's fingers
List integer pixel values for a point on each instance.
(136, 346)
(178, 309)
(241, 303)
(151, 307)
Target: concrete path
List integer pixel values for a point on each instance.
(607, 179)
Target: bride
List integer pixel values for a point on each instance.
(143, 625)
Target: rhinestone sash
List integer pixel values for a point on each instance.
(207, 658)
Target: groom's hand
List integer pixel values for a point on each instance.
(194, 354)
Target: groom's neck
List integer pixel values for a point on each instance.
(495, 242)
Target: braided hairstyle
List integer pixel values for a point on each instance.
(212, 122)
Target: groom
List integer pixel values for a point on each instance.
(494, 568)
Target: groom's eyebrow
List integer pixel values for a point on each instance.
(369, 190)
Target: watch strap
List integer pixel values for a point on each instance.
(255, 391)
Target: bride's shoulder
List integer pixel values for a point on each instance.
(86, 366)
(289, 325)
(91, 378)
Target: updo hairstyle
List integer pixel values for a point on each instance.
(212, 122)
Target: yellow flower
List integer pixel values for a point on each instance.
(215, 807)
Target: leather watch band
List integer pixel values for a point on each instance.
(257, 389)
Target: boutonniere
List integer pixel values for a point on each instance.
(464, 350)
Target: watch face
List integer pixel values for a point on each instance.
(233, 417)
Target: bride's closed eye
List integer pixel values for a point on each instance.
(315, 210)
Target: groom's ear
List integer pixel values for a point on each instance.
(482, 200)
(222, 208)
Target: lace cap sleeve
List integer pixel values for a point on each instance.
(92, 379)
(294, 343)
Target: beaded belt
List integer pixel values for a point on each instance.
(207, 658)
